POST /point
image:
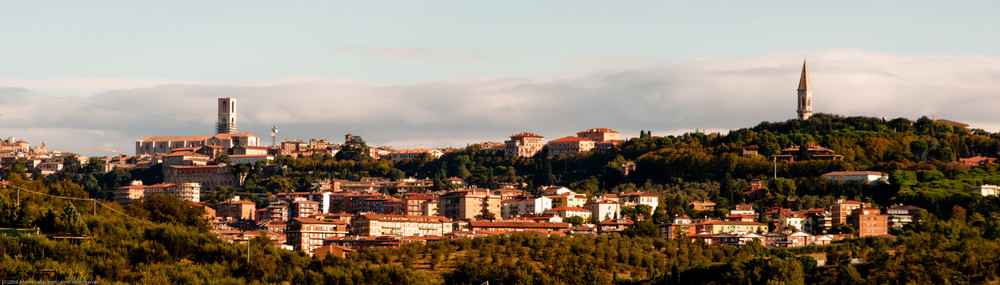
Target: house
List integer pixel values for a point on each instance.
(900, 215)
(640, 198)
(511, 208)
(517, 227)
(523, 145)
(568, 200)
(301, 207)
(841, 210)
(334, 250)
(236, 209)
(604, 209)
(977, 161)
(412, 154)
(599, 134)
(717, 226)
(208, 176)
(985, 190)
(814, 152)
(421, 205)
(400, 225)
(307, 234)
(703, 205)
(673, 227)
(566, 212)
(469, 204)
(616, 225)
(743, 209)
(870, 177)
(569, 145)
(869, 222)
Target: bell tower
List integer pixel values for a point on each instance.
(805, 108)
(227, 116)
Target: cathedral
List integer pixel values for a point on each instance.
(805, 106)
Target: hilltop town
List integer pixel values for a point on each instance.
(838, 192)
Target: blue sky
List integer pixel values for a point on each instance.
(248, 40)
(402, 72)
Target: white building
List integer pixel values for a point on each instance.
(524, 206)
(870, 177)
(640, 198)
(604, 209)
(985, 190)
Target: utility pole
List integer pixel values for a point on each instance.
(775, 167)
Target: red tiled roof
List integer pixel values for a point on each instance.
(720, 222)
(490, 224)
(565, 208)
(569, 139)
(315, 221)
(525, 134)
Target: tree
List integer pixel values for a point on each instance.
(355, 148)
(71, 164)
(222, 159)
(574, 220)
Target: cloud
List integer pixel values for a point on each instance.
(713, 94)
(444, 55)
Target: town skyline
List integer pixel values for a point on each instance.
(473, 72)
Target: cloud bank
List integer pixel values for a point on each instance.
(713, 94)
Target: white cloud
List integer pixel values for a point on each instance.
(713, 94)
(445, 55)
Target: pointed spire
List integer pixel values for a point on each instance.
(804, 80)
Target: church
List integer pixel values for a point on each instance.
(805, 106)
(226, 135)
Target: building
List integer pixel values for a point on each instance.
(208, 176)
(421, 205)
(604, 209)
(743, 209)
(307, 234)
(985, 190)
(566, 212)
(518, 227)
(599, 135)
(511, 208)
(523, 145)
(469, 204)
(185, 191)
(640, 198)
(703, 205)
(570, 145)
(869, 222)
(302, 208)
(805, 105)
(400, 225)
(717, 226)
(164, 145)
(900, 215)
(227, 116)
(616, 225)
(815, 152)
(680, 225)
(840, 211)
(413, 154)
(870, 177)
(236, 209)
(977, 161)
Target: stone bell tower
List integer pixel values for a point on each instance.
(227, 116)
(805, 108)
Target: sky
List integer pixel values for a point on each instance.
(409, 74)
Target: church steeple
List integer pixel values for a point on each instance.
(805, 109)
